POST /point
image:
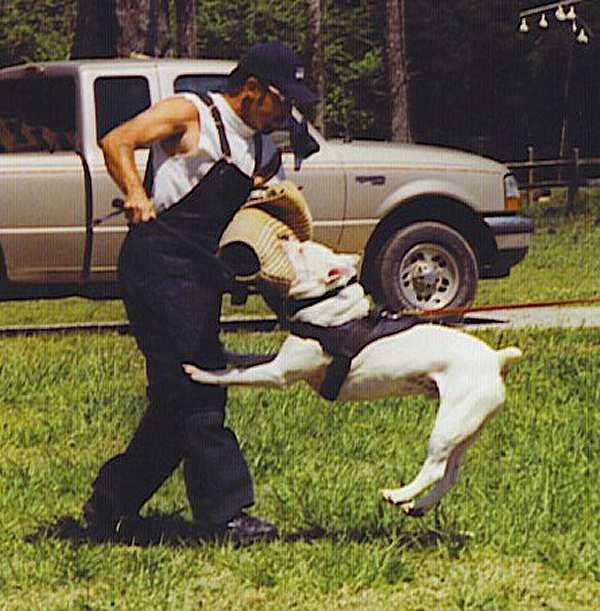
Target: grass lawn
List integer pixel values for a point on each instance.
(521, 530)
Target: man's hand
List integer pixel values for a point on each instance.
(139, 210)
(260, 182)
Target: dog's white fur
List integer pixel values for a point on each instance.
(429, 359)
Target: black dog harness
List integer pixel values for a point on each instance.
(344, 342)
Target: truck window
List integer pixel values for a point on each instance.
(118, 99)
(200, 83)
(37, 114)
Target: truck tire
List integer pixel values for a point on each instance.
(426, 266)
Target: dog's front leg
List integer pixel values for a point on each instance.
(295, 361)
(265, 375)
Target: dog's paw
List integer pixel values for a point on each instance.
(392, 496)
(199, 375)
(409, 510)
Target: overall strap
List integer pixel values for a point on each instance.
(216, 115)
(269, 170)
(225, 148)
(257, 153)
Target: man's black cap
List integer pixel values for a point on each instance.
(276, 64)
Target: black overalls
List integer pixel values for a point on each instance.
(173, 299)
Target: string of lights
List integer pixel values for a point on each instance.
(563, 12)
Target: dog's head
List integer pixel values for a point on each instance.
(317, 269)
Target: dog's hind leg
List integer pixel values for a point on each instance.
(420, 507)
(432, 471)
(465, 406)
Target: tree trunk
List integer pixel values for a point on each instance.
(120, 28)
(397, 70)
(96, 30)
(315, 57)
(187, 28)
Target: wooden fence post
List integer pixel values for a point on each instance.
(574, 182)
(530, 176)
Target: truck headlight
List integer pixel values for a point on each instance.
(511, 193)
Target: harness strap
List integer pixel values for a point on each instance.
(335, 376)
(345, 341)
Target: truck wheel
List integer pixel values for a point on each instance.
(426, 266)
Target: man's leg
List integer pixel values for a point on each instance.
(176, 320)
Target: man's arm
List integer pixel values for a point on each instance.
(174, 119)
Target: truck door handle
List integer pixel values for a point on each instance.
(376, 181)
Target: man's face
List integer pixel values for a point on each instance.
(264, 107)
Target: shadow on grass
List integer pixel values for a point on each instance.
(172, 530)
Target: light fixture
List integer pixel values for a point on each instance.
(563, 11)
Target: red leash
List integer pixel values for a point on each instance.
(505, 306)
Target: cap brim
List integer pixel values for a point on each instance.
(300, 93)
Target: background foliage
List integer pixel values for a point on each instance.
(475, 82)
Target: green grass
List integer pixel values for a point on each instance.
(519, 531)
(563, 260)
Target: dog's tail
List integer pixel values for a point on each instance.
(506, 356)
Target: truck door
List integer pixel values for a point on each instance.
(42, 188)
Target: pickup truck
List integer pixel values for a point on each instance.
(429, 221)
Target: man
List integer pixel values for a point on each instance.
(207, 156)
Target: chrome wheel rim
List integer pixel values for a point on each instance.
(428, 277)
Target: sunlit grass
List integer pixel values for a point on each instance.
(519, 531)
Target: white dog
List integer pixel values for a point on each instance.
(430, 359)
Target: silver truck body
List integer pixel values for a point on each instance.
(53, 181)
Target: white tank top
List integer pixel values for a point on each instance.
(175, 176)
